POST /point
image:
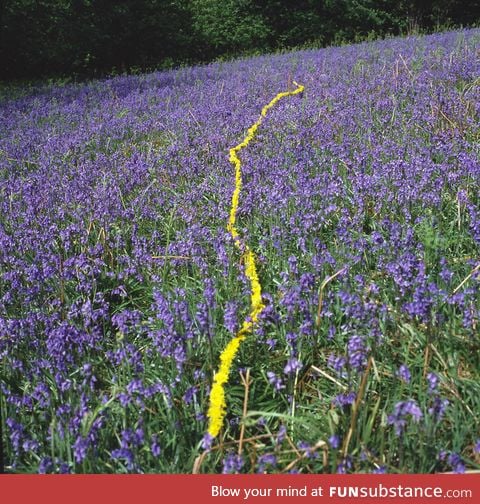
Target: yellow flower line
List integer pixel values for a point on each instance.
(218, 408)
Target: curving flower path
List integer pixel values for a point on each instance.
(217, 407)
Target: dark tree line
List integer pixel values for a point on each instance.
(93, 37)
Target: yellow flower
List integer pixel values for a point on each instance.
(217, 408)
(216, 411)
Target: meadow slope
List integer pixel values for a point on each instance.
(120, 284)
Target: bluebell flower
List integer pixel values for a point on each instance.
(433, 382)
(232, 463)
(292, 366)
(264, 461)
(402, 411)
(404, 373)
(334, 441)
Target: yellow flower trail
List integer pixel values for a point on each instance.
(217, 407)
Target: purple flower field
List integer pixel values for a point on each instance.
(120, 285)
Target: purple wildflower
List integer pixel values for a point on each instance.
(292, 366)
(281, 435)
(207, 441)
(456, 463)
(46, 465)
(232, 463)
(190, 394)
(334, 441)
(345, 465)
(345, 399)
(433, 382)
(404, 373)
(337, 363)
(64, 468)
(438, 408)
(275, 380)
(265, 461)
(402, 410)
(80, 448)
(155, 446)
(357, 353)
(230, 317)
(125, 455)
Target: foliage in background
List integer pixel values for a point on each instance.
(93, 37)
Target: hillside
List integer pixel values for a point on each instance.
(120, 284)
